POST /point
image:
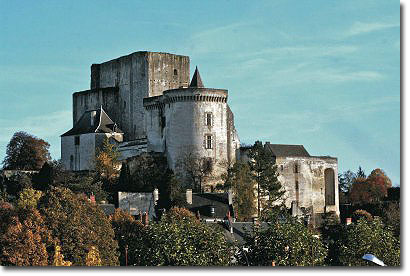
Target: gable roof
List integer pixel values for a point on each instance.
(196, 79)
(94, 121)
(287, 150)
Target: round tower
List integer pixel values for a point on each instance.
(196, 130)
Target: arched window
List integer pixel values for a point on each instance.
(329, 187)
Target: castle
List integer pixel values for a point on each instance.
(146, 102)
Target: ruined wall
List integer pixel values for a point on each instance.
(307, 185)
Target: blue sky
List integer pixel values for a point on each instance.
(325, 74)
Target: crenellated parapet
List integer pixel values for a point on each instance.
(189, 94)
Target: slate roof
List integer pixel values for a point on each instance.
(203, 201)
(196, 79)
(108, 209)
(287, 150)
(102, 124)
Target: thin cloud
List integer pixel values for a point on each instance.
(359, 28)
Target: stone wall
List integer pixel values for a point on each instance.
(176, 125)
(138, 75)
(307, 185)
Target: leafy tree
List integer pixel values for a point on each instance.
(93, 257)
(391, 217)
(171, 192)
(106, 160)
(16, 183)
(25, 239)
(78, 224)
(370, 190)
(29, 198)
(181, 242)
(346, 180)
(131, 237)
(265, 175)
(369, 237)
(239, 179)
(289, 243)
(58, 259)
(44, 178)
(26, 152)
(178, 239)
(359, 214)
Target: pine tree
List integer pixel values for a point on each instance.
(265, 175)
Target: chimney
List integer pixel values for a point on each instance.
(198, 215)
(156, 195)
(140, 216)
(348, 221)
(189, 196)
(92, 118)
(146, 218)
(92, 198)
(230, 202)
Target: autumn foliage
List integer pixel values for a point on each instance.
(371, 189)
(26, 152)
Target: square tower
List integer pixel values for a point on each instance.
(121, 84)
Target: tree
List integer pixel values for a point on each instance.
(29, 198)
(287, 243)
(178, 239)
(93, 257)
(369, 237)
(239, 179)
(346, 180)
(58, 259)
(360, 173)
(186, 242)
(131, 237)
(16, 183)
(265, 175)
(370, 190)
(25, 239)
(26, 152)
(78, 224)
(106, 160)
(195, 170)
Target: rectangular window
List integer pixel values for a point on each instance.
(281, 167)
(208, 142)
(209, 119)
(76, 140)
(297, 185)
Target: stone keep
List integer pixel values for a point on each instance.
(149, 97)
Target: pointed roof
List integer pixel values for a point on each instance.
(196, 79)
(94, 121)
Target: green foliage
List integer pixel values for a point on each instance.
(391, 217)
(369, 237)
(239, 179)
(288, 243)
(265, 175)
(29, 198)
(179, 239)
(26, 152)
(16, 183)
(78, 224)
(143, 173)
